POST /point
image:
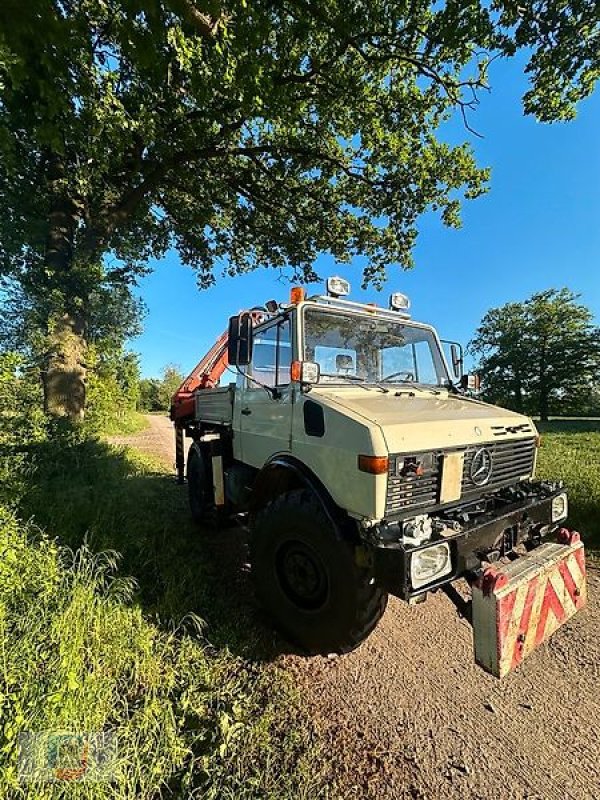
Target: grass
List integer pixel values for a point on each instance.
(570, 452)
(175, 660)
(123, 423)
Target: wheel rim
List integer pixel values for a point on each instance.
(302, 575)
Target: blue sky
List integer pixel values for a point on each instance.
(538, 227)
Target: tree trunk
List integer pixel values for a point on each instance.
(543, 406)
(64, 376)
(543, 383)
(518, 394)
(64, 373)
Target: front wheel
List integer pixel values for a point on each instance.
(307, 579)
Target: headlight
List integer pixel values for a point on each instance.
(560, 507)
(430, 564)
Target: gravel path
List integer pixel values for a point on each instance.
(409, 714)
(157, 439)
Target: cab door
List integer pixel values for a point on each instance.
(265, 402)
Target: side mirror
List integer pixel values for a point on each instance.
(456, 357)
(471, 382)
(239, 345)
(454, 354)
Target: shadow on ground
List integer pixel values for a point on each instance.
(119, 500)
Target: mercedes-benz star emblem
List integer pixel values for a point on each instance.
(480, 470)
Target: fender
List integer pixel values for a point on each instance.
(284, 472)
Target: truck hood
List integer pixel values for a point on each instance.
(425, 420)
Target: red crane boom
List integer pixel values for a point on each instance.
(205, 375)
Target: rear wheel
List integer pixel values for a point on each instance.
(199, 480)
(307, 578)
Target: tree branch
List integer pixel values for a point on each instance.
(205, 24)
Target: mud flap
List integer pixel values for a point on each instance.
(518, 606)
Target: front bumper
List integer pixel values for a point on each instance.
(489, 536)
(518, 606)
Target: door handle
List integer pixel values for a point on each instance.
(246, 412)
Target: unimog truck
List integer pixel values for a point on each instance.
(363, 464)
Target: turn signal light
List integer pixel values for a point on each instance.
(305, 371)
(297, 295)
(375, 465)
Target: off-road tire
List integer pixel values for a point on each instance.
(199, 481)
(307, 579)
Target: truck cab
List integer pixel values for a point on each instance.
(361, 464)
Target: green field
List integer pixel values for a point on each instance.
(570, 451)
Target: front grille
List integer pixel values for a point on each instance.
(510, 461)
(411, 493)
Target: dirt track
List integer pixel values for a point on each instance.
(157, 439)
(409, 715)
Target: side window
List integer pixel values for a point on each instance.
(427, 372)
(285, 352)
(272, 355)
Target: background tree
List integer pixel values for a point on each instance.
(112, 383)
(156, 393)
(149, 399)
(244, 133)
(541, 356)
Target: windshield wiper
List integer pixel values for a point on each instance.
(357, 381)
(452, 389)
(413, 384)
(347, 377)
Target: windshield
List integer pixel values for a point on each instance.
(356, 347)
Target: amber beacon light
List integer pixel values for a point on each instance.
(297, 295)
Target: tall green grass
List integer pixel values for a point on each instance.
(122, 423)
(570, 451)
(172, 660)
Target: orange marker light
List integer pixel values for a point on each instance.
(297, 295)
(375, 465)
(296, 370)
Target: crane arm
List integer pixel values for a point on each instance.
(205, 375)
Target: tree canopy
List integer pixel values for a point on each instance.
(247, 134)
(541, 356)
(259, 132)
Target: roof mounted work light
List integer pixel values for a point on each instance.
(399, 302)
(337, 287)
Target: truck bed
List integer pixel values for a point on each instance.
(215, 405)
